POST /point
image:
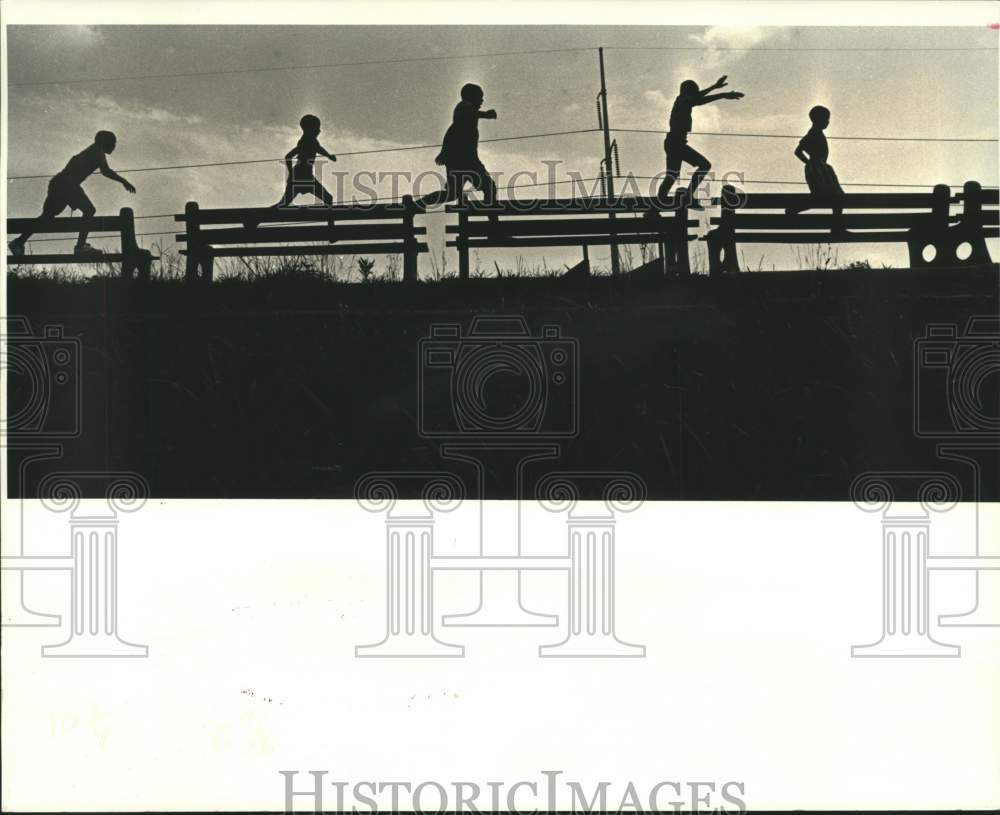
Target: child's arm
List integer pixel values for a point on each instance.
(705, 99)
(107, 172)
(486, 114)
(322, 152)
(719, 83)
(291, 154)
(807, 148)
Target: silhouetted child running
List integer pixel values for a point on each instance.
(301, 180)
(460, 152)
(675, 144)
(65, 190)
(813, 151)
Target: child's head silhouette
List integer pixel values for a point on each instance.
(819, 116)
(472, 93)
(106, 140)
(309, 123)
(689, 87)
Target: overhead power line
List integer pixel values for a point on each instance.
(785, 50)
(434, 146)
(830, 138)
(538, 51)
(310, 67)
(536, 136)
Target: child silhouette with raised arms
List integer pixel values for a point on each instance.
(460, 151)
(65, 189)
(813, 151)
(301, 180)
(675, 144)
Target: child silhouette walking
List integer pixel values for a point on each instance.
(301, 179)
(813, 151)
(65, 190)
(460, 152)
(675, 144)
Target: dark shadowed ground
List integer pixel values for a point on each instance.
(762, 386)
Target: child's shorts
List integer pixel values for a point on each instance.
(62, 194)
(822, 180)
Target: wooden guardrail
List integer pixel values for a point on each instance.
(555, 222)
(923, 221)
(337, 230)
(134, 260)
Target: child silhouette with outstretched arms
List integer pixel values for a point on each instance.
(65, 189)
(460, 151)
(301, 180)
(813, 151)
(675, 144)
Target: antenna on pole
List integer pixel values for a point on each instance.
(609, 177)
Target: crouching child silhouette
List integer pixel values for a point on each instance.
(65, 190)
(460, 152)
(813, 151)
(301, 178)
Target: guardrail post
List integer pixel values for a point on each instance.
(679, 240)
(135, 260)
(721, 240)
(935, 235)
(970, 227)
(130, 250)
(462, 241)
(410, 244)
(193, 229)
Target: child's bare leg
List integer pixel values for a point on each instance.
(432, 199)
(453, 187)
(702, 166)
(485, 184)
(85, 206)
(667, 184)
(322, 193)
(51, 207)
(675, 158)
(287, 196)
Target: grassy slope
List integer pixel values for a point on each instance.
(759, 386)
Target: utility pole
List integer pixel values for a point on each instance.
(609, 183)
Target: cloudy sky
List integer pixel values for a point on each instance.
(394, 102)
